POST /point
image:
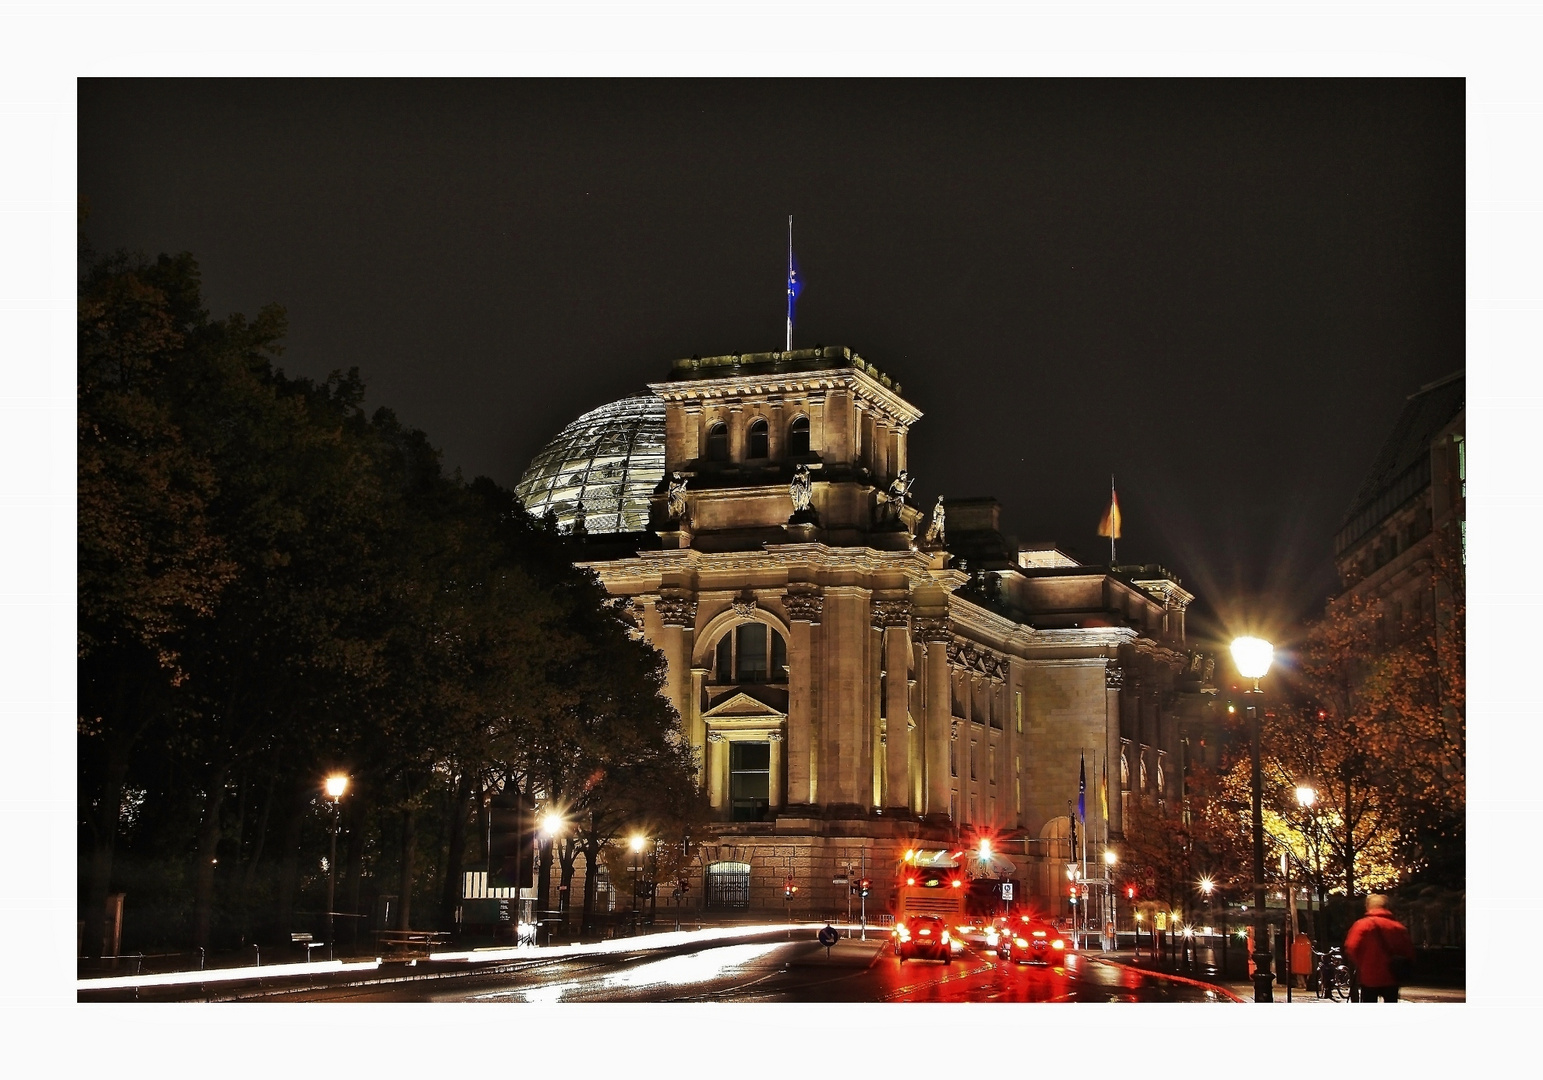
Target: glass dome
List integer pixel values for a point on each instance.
(606, 462)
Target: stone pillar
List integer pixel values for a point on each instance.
(804, 609)
(774, 775)
(936, 717)
(897, 751)
(696, 733)
(691, 437)
(843, 704)
(736, 421)
(1114, 679)
(717, 769)
(776, 433)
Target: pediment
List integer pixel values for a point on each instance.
(741, 706)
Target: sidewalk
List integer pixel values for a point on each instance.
(1243, 989)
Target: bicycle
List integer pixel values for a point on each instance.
(1333, 974)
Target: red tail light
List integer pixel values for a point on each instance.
(910, 881)
(958, 884)
(1058, 944)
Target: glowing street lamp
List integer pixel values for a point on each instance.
(335, 785)
(1252, 656)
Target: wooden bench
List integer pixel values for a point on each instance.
(408, 943)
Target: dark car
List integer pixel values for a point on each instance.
(923, 937)
(1032, 943)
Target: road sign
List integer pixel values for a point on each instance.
(1007, 890)
(839, 879)
(828, 938)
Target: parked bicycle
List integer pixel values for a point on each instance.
(1333, 974)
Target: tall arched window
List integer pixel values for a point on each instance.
(758, 445)
(718, 443)
(798, 437)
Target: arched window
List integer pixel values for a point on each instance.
(718, 443)
(798, 437)
(758, 445)
(752, 653)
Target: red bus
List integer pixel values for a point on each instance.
(930, 882)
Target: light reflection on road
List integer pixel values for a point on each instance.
(681, 971)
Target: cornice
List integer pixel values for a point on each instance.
(727, 387)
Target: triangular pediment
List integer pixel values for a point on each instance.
(741, 706)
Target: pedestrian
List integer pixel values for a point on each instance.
(1301, 959)
(1381, 950)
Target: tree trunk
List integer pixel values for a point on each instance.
(108, 811)
(208, 847)
(591, 878)
(450, 890)
(409, 855)
(568, 856)
(289, 869)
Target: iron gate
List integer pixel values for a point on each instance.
(728, 885)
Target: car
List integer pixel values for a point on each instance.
(1033, 943)
(923, 937)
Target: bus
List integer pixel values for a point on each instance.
(931, 882)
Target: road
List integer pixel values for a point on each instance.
(767, 970)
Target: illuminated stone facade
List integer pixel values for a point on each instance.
(854, 686)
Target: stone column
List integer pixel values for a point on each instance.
(696, 734)
(677, 616)
(804, 609)
(691, 436)
(1114, 679)
(774, 775)
(936, 718)
(736, 421)
(717, 769)
(895, 615)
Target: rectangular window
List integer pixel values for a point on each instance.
(883, 697)
(991, 764)
(779, 658)
(1018, 709)
(749, 779)
(972, 759)
(953, 757)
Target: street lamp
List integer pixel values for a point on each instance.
(336, 784)
(636, 844)
(1252, 656)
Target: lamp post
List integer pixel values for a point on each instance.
(637, 871)
(551, 825)
(1307, 796)
(1112, 929)
(1252, 656)
(1207, 886)
(335, 786)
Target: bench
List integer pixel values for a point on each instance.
(408, 943)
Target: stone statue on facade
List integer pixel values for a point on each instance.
(935, 535)
(675, 498)
(890, 502)
(802, 489)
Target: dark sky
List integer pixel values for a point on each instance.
(1220, 291)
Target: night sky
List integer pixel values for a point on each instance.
(1219, 291)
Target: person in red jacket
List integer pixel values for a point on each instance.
(1376, 939)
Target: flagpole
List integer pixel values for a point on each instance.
(1112, 529)
(789, 283)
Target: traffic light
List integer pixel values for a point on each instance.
(788, 889)
(863, 886)
(1073, 890)
(1130, 892)
(511, 841)
(684, 886)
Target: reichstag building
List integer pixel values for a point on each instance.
(859, 674)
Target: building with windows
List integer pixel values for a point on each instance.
(861, 675)
(1415, 492)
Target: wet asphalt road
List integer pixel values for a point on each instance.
(763, 971)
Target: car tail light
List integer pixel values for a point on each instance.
(910, 881)
(958, 884)
(1058, 944)
(1021, 943)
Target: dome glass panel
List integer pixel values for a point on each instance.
(607, 462)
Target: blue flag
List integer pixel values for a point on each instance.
(1082, 789)
(795, 285)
